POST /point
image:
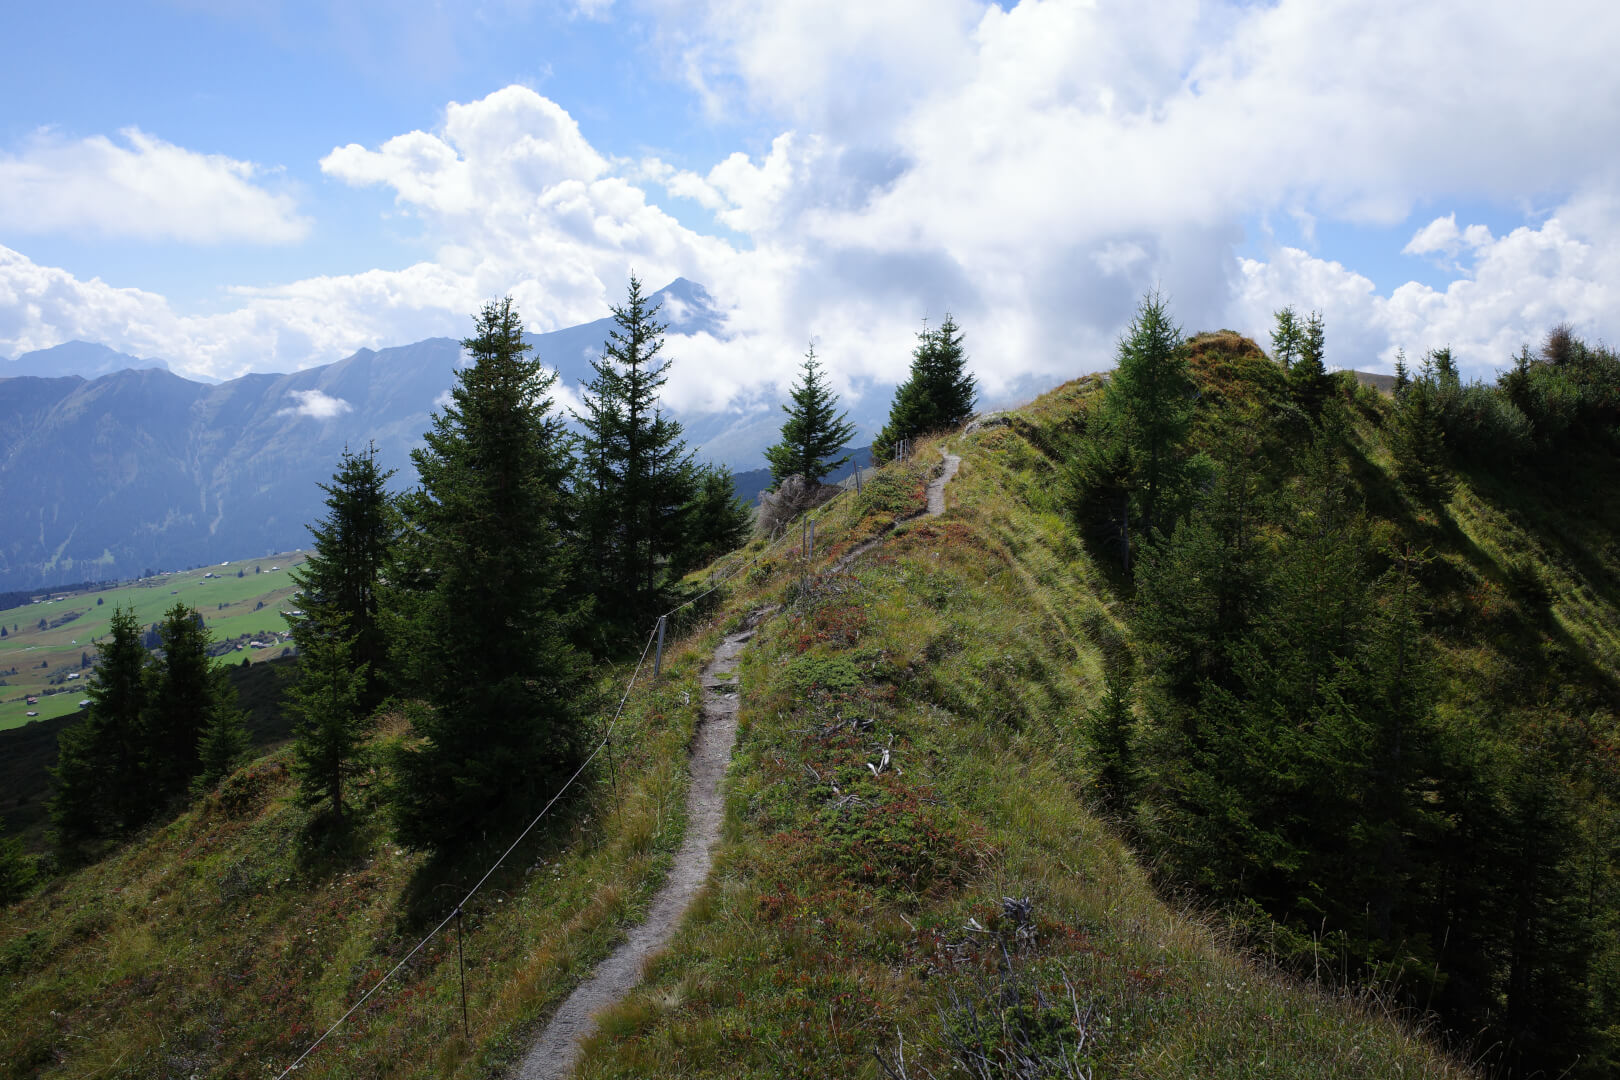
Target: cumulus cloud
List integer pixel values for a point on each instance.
(1515, 287)
(143, 187)
(1033, 170)
(316, 405)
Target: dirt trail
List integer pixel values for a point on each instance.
(936, 507)
(557, 1049)
(936, 490)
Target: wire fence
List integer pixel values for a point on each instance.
(654, 636)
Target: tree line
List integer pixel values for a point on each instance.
(474, 602)
(1279, 732)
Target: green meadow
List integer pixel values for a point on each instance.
(53, 663)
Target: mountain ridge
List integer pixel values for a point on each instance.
(110, 474)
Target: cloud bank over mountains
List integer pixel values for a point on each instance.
(1031, 169)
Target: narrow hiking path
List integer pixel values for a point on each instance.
(936, 507)
(936, 489)
(557, 1050)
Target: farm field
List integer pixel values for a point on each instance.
(49, 650)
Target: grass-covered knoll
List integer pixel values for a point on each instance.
(37, 662)
(910, 760)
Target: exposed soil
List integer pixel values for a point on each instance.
(553, 1055)
(936, 506)
(936, 490)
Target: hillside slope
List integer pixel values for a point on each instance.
(909, 864)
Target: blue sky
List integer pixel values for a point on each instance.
(265, 186)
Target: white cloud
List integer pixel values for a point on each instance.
(316, 405)
(1033, 170)
(144, 188)
(1442, 237)
(1516, 287)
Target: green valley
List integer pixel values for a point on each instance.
(241, 602)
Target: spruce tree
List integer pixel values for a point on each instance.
(1418, 441)
(224, 742)
(1308, 378)
(193, 727)
(100, 782)
(179, 703)
(476, 617)
(1403, 377)
(814, 430)
(331, 720)
(720, 521)
(1152, 393)
(636, 477)
(938, 394)
(340, 579)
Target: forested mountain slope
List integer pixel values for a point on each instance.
(971, 767)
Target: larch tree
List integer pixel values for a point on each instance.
(815, 431)
(477, 619)
(1287, 338)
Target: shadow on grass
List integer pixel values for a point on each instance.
(446, 876)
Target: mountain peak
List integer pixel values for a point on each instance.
(85, 358)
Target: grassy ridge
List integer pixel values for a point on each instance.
(856, 903)
(858, 907)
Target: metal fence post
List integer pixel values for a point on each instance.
(857, 478)
(810, 547)
(658, 657)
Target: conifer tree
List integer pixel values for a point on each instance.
(1108, 729)
(636, 477)
(1418, 440)
(224, 742)
(193, 727)
(814, 430)
(340, 579)
(180, 701)
(720, 521)
(1308, 376)
(100, 785)
(1152, 391)
(1287, 339)
(476, 621)
(1403, 377)
(937, 395)
(331, 720)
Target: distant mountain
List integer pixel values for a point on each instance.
(106, 475)
(81, 358)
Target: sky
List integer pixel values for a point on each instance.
(238, 186)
